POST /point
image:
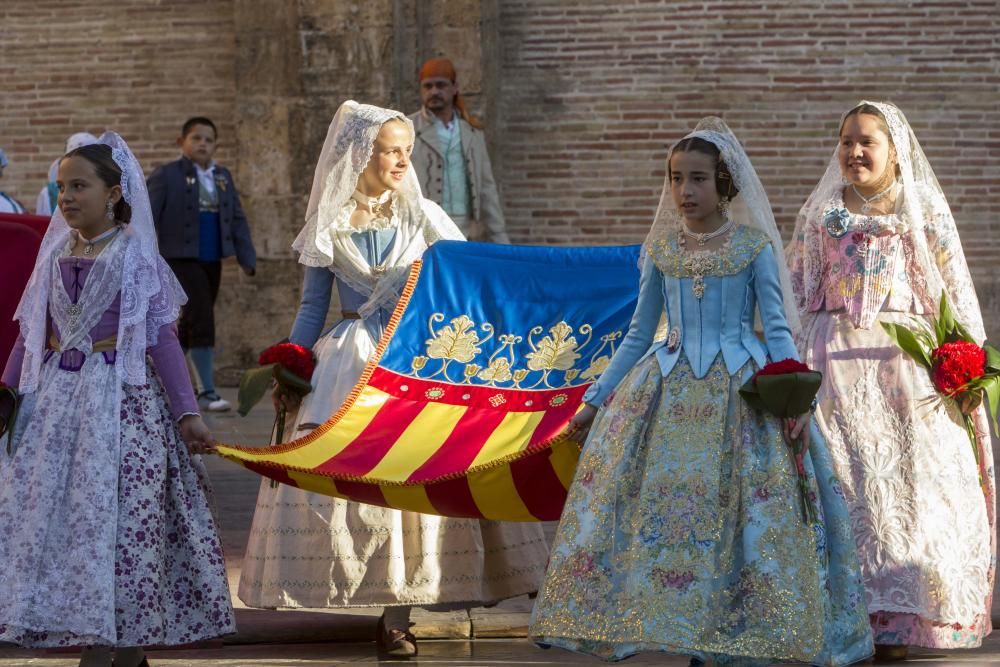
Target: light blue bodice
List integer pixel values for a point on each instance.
(735, 282)
(317, 287)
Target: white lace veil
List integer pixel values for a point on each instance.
(931, 237)
(749, 207)
(150, 294)
(325, 241)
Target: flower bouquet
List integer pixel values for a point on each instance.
(290, 366)
(959, 368)
(8, 414)
(787, 389)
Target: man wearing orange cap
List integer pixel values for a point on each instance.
(450, 158)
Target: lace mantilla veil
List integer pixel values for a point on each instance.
(750, 207)
(925, 219)
(130, 265)
(325, 240)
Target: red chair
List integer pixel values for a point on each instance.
(19, 244)
(37, 222)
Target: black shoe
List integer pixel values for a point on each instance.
(891, 652)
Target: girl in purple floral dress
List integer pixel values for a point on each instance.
(108, 540)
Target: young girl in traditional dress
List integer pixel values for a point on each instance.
(108, 540)
(366, 224)
(683, 530)
(876, 243)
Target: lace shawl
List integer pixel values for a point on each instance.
(935, 260)
(151, 297)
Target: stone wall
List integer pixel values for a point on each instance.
(296, 62)
(580, 101)
(295, 65)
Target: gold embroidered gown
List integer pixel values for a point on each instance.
(683, 529)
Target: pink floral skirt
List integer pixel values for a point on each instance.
(921, 510)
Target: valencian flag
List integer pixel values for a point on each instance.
(460, 410)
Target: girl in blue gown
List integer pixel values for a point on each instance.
(683, 531)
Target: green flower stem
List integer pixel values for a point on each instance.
(809, 512)
(279, 430)
(970, 428)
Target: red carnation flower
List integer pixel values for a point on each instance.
(290, 366)
(295, 358)
(781, 368)
(956, 364)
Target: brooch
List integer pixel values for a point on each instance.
(699, 265)
(190, 180)
(837, 221)
(220, 182)
(673, 339)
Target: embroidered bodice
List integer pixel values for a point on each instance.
(710, 301)
(866, 265)
(739, 250)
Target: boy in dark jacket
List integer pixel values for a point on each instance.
(199, 221)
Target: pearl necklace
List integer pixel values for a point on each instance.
(701, 262)
(88, 244)
(867, 205)
(702, 239)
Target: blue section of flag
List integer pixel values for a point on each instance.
(481, 311)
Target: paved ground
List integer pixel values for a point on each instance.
(341, 637)
(432, 652)
(235, 494)
(452, 653)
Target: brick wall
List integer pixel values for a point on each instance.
(593, 93)
(137, 67)
(589, 97)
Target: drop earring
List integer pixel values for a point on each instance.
(724, 207)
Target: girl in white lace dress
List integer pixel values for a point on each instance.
(108, 540)
(365, 225)
(876, 243)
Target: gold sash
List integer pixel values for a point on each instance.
(103, 345)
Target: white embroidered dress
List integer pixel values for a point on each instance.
(923, 514)
(309, 550)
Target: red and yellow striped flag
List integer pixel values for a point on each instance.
(453, 417)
